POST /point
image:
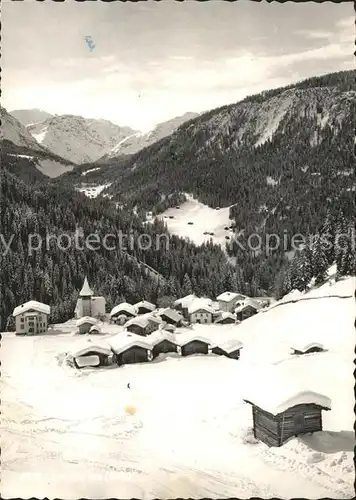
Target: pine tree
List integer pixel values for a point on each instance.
(319, 261)
(187, 288)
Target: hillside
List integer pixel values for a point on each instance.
(139, 140)
(282, 160)
(21, 153)
(190, 401)
(30, 116)
(78, 139)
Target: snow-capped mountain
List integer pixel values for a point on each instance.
(78, 139)
(139, 140)
(22, 153)
(30, 116)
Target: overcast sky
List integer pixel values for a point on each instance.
(153, 61)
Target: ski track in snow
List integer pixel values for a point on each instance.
(64, 433)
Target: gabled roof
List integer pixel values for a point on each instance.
(275, 390)
(305, 346)
(95, 327)
(146, 304)
(86, 291)
(32, 304)
(200, 304)
(128, 343)
(246, 305)
(97, 348)
(228, 296)
(172, 314)
(231, 346)
(86, 319)
(225, 315)
(185, 301)
(123, 307)
(186, 339)
(141, 321)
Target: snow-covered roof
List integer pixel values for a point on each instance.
(141, 321)
(231, 345)
(200, 304)
(123, 307)
(156, 337)
(86, 290)
(274, 391)
(185, 339)
(227, 296)
(225, 315)
(185, 301)
(146, 304)
(95, 327)
(305, 346)
(32, 304)
(100, 348)
(86, 319)
(131, 343)
(172, 314)
(246, 305)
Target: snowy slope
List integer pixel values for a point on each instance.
(65, 433)
(78, 139)
(30, 116)
(21, 150)
(204, 218)
(140, 140)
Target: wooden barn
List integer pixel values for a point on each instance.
(194, 345)
(278, 417)
(85, 324)
(124, 309)
(307, 348)
(164, 343)
(133, 351)
(143, 325)
(144, 307)
(183, 304)
(245, 311)
(225, 318)
(93, 354)
(172, 317)
(230, 349)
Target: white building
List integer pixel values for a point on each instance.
(88, 304)
(200, 311)
(229, 300)
(31, 318)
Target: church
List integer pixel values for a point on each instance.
(88, 304)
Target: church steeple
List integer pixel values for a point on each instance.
(86, 291)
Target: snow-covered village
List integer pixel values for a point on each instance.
(177, 250)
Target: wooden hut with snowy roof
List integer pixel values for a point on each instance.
(85, 324)
(307, 348)
(144, 307)
(194, 344)
(163, 342)
(183, 304)
(230, 349)
(122, 313)
(171, 316)
(246, 310)
(144, 324)
(281, 409)
(225, 318)
(92, 354)
(31, 318)
(132, 350)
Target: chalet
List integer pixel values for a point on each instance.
(225, 318)
(124, 310)
(88, 304)
(307, 348)
(143, 325)
(144, 307)
(163, 343)
(183, 304)
(93, 354)
(133, 351)
(245, 311)
(200, 312)
(194, 345)
(31, 318)
(227, 300)
(281, 409)
(85, 324)
(172, 317)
